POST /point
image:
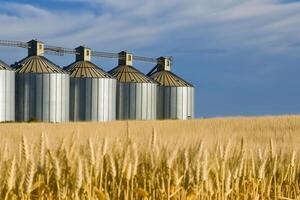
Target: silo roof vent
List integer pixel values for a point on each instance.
(83, 53)
(36, 48)
(125, 58)
(164, 64)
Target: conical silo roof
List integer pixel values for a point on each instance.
(164, 77)
(86, 69)
(4, 66)
(37, 64)
(167, 78)
(129, 74)
(126, 73)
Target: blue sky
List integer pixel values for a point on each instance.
(243, 56)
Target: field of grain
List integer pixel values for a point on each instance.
(229, 158)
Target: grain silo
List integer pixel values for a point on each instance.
(175, 96)
(92, 90)
(42, 88)
(7, 93)
(136, 93)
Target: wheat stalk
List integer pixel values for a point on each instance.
(11, 178)
(179, 167)
(29, 178)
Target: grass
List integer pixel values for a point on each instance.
(229, 158)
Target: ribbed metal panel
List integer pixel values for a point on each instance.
(92, 93)
(44, 97)
(7, 93)
(175, 103)
(42, 91)
(136, 94)
(92, 99)
(136, 101)
(175, 96)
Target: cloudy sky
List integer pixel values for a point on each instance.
(243, 56)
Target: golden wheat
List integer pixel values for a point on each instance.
(255, 158)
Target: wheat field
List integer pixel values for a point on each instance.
(226, 158)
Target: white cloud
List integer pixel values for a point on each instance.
(28, 22)
(140, 24)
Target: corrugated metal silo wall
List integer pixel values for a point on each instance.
(44, 97)
(175, 103)
(7, 95)
(92, 99)
(136, 101)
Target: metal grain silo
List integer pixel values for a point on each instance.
(42, 88)
(136, 93)
(175, 96)
(7, 93)
(92, 90)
